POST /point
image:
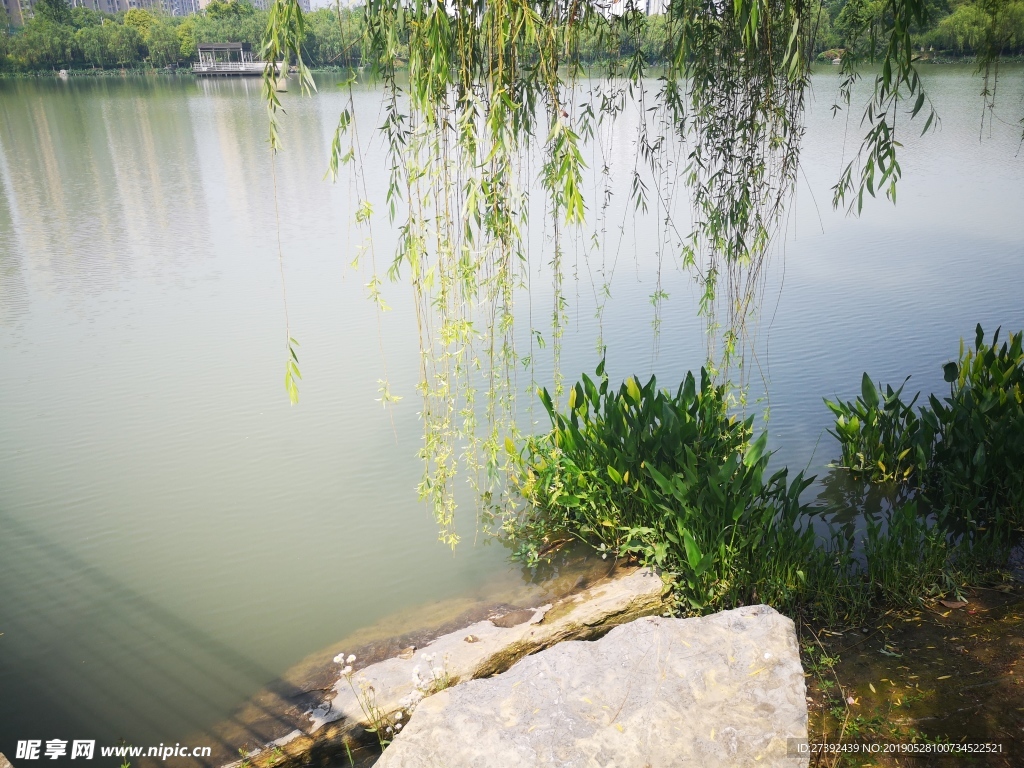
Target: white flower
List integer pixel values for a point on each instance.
(390, 729)
(351, 658)
(409, 702)
(398, 715)
(346, 671)
(398, 727)
(339, 659)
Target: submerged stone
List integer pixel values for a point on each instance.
(721, 690)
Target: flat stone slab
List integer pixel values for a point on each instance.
(487, 647)
(482, 649)
(721, 690)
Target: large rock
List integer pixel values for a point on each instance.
(723, 690)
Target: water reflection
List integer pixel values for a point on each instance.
(842, 498)
(91, 171)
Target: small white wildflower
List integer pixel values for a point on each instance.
(409, 702)
(398, 715)
(339, 659)
(389, 729)
(351, 658)
(604, 557)
(398, 727)
(346, 671)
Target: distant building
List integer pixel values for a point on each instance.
(13, 10)
(649, 7)
(182, 7)
(258, 4)
(105, 6)
(264, 5)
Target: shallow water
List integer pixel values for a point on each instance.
(177, 537)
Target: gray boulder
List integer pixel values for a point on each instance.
(721, 690)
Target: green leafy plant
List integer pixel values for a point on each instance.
(882, 438)
(963, 454)
(672, 479)
(978, 465)
(908, 557)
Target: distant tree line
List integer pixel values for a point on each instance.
(61, 37)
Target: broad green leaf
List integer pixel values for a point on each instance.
(633, 389)
(756, 450)
(868, 391)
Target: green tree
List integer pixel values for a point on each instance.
(126, 45)
(163, 44)
(41, 44)
(331, 40)
(972, 25)
(220, 9)
(187, 40)
(54, 11)
(82, 17)
(94, 44)
(5, 39)
(140, 20)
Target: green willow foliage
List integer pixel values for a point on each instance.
(474, 88)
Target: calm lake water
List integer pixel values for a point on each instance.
(176, 537)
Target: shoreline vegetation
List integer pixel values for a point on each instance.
(145, 70)
(681, 482)
(60, 37)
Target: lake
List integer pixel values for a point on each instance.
(177, 538)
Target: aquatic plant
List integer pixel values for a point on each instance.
(963, 454)
(978, 461)
(679, 482)
(881, 437)
(908, 557)
(673, 480)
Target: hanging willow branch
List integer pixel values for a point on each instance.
(488, 100)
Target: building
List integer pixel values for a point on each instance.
(105, 6)
(260, 5)
(12, 9)
(649, 7)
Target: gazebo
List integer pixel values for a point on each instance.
(227, 59)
